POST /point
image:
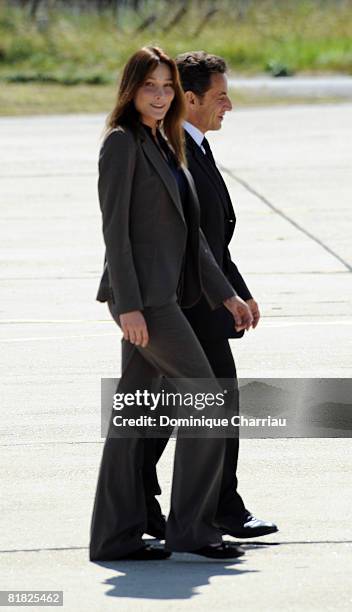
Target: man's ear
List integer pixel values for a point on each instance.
(190, 97)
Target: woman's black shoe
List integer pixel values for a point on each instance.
(226, 550)
(156, 527)
(147, 553)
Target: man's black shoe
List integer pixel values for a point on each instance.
(147, 553)
(226, 550)
(251, 527)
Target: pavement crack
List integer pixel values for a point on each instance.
(59, 548)
(249, 544)
(287, 218)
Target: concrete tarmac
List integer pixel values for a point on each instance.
(289, 173)
(315, 87)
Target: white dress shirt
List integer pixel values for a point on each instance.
(196, 134)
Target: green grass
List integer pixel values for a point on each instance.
(55, 98)
(84, 52)
(303, 35)
(52, 98)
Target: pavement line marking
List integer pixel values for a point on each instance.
(55, 337)
(308, 323)
(36, 443)
(264, 324)
(49, 175)
(20, 321)
(265, 319)
(279, 212)
(253, 273)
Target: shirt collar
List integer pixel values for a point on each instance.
(193, 131)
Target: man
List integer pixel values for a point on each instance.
(204, 81)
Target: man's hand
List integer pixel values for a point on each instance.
(254, 308)
(240, 312)
(134, 328)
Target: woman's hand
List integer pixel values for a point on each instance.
(134, 328)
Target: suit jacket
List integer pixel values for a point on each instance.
(153, 254)
(218, 220)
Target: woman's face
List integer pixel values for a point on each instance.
(154, 96)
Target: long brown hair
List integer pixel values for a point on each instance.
(137, 69)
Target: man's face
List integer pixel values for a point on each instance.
(211, 108)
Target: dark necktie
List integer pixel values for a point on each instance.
(205, 144)
(208, 153)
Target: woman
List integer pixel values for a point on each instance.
(156, 260)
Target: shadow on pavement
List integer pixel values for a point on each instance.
(177, 578)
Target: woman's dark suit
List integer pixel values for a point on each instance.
(145, 230)
(157, 260)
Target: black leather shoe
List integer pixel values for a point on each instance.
(226, 550)
(147, 553)
(251, 527)
(156, 527)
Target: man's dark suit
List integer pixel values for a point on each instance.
(218, 222)
(213, 328)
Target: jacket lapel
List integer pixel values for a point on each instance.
(191, 186)
(211, 171)
(163, 170)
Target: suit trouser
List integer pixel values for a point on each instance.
(120, 513)
(231, 507)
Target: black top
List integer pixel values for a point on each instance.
(172, 163)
